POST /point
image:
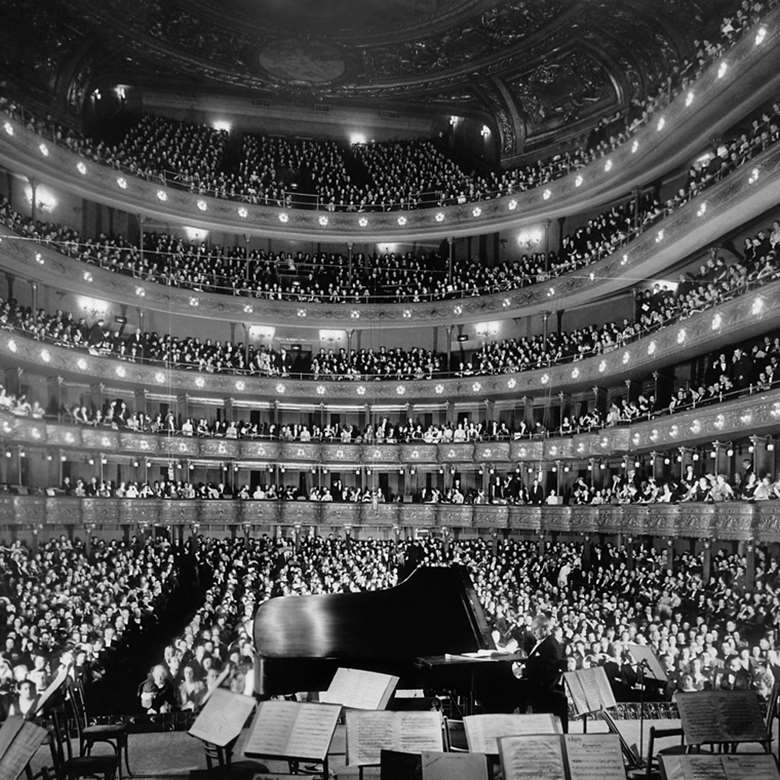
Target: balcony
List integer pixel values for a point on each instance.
(748, 192)
(721, 96)
(736, 320)
(757, 413)
(731, 521)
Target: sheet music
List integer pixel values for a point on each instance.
(577, 693)
(721, 716)
(453, 766)
(217, 684)
(359, 689)
(368, 732)
(532, 757)
(292, 729)
(746, 766)
(483, 731)
(22, 748)
(54, 685)
(740, 717)
(740, 766)
(8, 731)
(223, 717)
(594, 757)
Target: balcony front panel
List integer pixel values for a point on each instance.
(731, 521)
(720, 97)
(751, 414)
(729, 204)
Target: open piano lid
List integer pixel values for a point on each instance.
(432, 612)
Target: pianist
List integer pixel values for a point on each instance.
(538, 677)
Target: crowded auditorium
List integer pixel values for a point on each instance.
(390, 390)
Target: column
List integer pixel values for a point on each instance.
(449, 257)
(34, 200)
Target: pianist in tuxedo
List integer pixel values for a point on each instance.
(538, 682)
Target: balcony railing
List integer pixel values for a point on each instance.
(748, 192)
(756, 413)
(735, 320)
(745, 77)
(758, 522)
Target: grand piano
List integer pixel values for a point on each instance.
(300, 641)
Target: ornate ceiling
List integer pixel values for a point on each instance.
(531, 65)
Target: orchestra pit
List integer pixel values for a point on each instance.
(389, 389)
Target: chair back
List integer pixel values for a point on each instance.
(61, 749)
(74, 696)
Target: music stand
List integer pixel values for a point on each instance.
(647, 666)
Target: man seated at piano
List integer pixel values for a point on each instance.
(538, 677)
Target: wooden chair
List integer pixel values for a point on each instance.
(114, 734)
(652, 766)
(70, 767)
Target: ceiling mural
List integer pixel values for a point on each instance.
(554, 61)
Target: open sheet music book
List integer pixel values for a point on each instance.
(223, 675)
(736, 766)
(561, 757)
(291, 729)
(429, 765)
(589, 690)
(59, 680)
(19, 740)
(359, 689)
(368, 733)
(483, 731)
(721, 716)
(223, 717)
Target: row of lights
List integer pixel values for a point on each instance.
(440, 216)
(756, 309)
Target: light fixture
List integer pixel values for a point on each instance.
(401, 221)
(202, 205)
(140, 292)
(362, 221)
(607, 166)
(661, 124)
(439, 216)
(248, 309)
(547, 194)
(243, 213)
(400, 390)
(44, 150)
(283, 217)
(81, 168)
(689, 99)
(323, 220)
(512, 205)
(760, 35)
(280, 388)
(702, 210)
(162, 195)
(476, 211)
(578, 181)
(8, 127)
(722, 70)
(634, 146)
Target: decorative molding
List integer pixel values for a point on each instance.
(758, 522)
(751, 78)
(738, 319)
(729, 204)
(757, 413)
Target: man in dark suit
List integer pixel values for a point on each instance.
(540, 682)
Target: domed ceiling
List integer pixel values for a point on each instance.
(530, 65)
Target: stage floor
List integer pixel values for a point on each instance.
(161, 755)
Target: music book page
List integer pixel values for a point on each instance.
(8, 731)
(740, 766)
(453, 766)
(721, 716)
(292, 729)
(359, 689)
(577, 693)
(368, 732)
(54, 686)
(483, 731)
(597, 685)
(594, 757)
(217, 684)
(223, 717)
(746, 766)
(532, 757)
(17, 755)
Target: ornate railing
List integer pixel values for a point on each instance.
(746, 76)
(755, 413)
(758, 522)
(748, 192)
(737, 319)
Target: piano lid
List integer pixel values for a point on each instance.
(434, 611)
